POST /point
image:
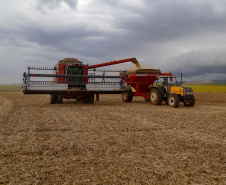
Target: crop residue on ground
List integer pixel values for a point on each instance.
(111, 142)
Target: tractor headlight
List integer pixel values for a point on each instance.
(189, 93)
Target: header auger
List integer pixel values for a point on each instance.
(71, 79)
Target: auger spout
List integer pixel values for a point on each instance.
(134, 60)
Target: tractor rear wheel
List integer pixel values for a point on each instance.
(155, 97)
(59, 99)
(53, 98)
(173, 100)
(127, 96)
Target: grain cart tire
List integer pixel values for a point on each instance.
(59, 99)
(173, 100)
(127, 96)
(190, 104)
(53, 98)
(155, 97)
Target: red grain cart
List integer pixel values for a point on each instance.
(140, 81)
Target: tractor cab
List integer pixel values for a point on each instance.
(168, 84)
(171, 80)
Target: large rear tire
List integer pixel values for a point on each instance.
(53, 98)
(173, 100)
(127, 96)
(155, 97)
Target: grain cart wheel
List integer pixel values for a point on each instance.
(59, 99)
(173, 100)
(155, 97)
(53, 98)
(127, 96)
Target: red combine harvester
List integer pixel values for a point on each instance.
(71, 79)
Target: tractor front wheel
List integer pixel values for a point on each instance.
(127, 96)
(173, 100)
(155, 97)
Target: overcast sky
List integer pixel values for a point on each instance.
(175, 36)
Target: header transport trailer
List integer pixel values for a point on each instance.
(71, 79)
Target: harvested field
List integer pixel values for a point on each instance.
(111, 142)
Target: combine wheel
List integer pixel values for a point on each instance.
(127, 96)
(53, 98)
(173, 100)
(91, 98)
(85, 100)
(88, 99)
(155, 97)
(59, 99)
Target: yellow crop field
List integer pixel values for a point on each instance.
(208, 88)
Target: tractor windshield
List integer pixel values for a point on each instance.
(168, 80)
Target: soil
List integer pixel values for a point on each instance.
(110, 142)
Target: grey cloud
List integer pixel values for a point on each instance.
(145, 32)
(199, 63)
(42, 5)
(161, 22)
(156, 23)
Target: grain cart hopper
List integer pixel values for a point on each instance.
(71, 79)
